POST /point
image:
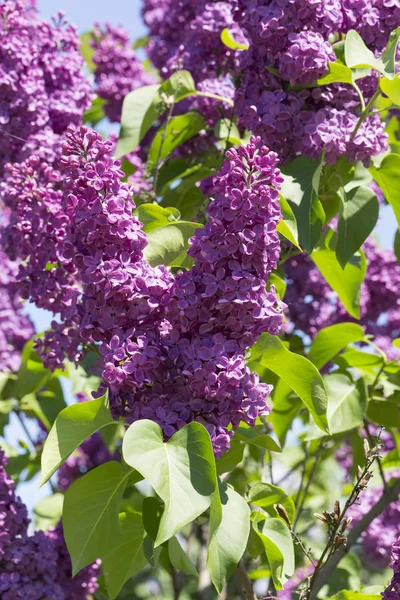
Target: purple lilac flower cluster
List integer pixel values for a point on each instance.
(392, 592)
(117, 68)
(312, 305)
(378, 539)
(288, 47)
(35, 566)
(186, 34)
(42, 87)
(15, 327)
(173, 346)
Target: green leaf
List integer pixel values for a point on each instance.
(95, 113)
(278, 282)
(50, 508)
(126, 557)
(338, 73)
(391, 87)
(177, 131)
(181, 471)
(387, 177)
(298, 372)
(300, 188)
(349, 595)
(357, 55)
(225, 129)
(153, 216)
(330, 341)
(359, 215)
(87, 49)
(229, 532)
(388, 57)
(90, 515)
(230, 459)
(167, 245)
(278, 545)
(286, 406)
(143, 106)
(139, 111)
(345, 282)
(266, 495)
(31, 375)
(287, 226)
(256, 436)
(72, 426)
(384, 412)
(396, 245)
(179, 559)
(228, 40)
(347, 403)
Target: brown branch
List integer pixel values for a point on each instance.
(389, 495)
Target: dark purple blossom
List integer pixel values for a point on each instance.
(118, 70)
(41, 79)
(379, 537)
(392, 592)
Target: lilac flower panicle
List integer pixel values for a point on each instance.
(306, 57)
(393, 590)
(13, 514)
(117, 68)
(41, 78)
(173, 347)
(33, 567)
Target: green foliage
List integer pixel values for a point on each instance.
(182, 471)
(345, 282)
(266, 495)
(139, 112)
(90, 514)
(177, 131)
(167, 245)
(229, 532)
(153, 216)
(387, 176)
(142, 107)
(298, 372)
(287, 226)
(178, 558)
(230, 42)
(357, 55)
(126, 557)
(87, 50)
(347, 403)
(331, 340)
(72, 426)
(278, 546)
(359, 215)
(300, 189)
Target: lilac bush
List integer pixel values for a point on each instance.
(37, 566)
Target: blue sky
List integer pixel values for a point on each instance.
(83, 13)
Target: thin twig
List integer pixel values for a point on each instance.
(337, 523)
(389, 495)
(378, 458)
